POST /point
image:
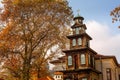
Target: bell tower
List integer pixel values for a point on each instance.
(79, 37)
(80, 63)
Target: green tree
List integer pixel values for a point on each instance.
(31, 29)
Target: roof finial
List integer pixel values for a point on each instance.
(78, 12)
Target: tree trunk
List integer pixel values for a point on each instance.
(38, 73)
(26, 70)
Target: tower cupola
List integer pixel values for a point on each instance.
(78, 19)
(79, 38)
(78, 27)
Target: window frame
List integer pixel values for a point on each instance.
(79, 41)
(77, 30)
(108, 73)
(70, 63)
(89, 59)
(74, 42)
(82, 59)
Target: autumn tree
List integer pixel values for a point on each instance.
(116, 15)
(31, 29)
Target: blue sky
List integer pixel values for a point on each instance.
(105, 34)
(94, 9)
(98, 10)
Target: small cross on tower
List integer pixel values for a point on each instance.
(78, 11)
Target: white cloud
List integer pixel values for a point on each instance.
(104, 42)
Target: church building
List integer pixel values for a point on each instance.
(83, 63)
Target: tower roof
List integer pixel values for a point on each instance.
(78, 17)
(79, 35)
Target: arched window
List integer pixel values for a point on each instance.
(69, 60)
(74, 42)
(77, 30)
(82, 58)
(79, 41)
(89, 58)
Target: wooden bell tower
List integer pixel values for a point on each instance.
(80, 58)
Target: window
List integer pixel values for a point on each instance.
(69, 60)
(77, 30)
(58, 76)
(93, 61)
(82, 58)
(79, 41)
(87, 43)
(89, 58)
(84, 78)
(108, 72)
(61, 77)
(74, 42)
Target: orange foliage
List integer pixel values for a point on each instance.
(116, 15)
(31, 29)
